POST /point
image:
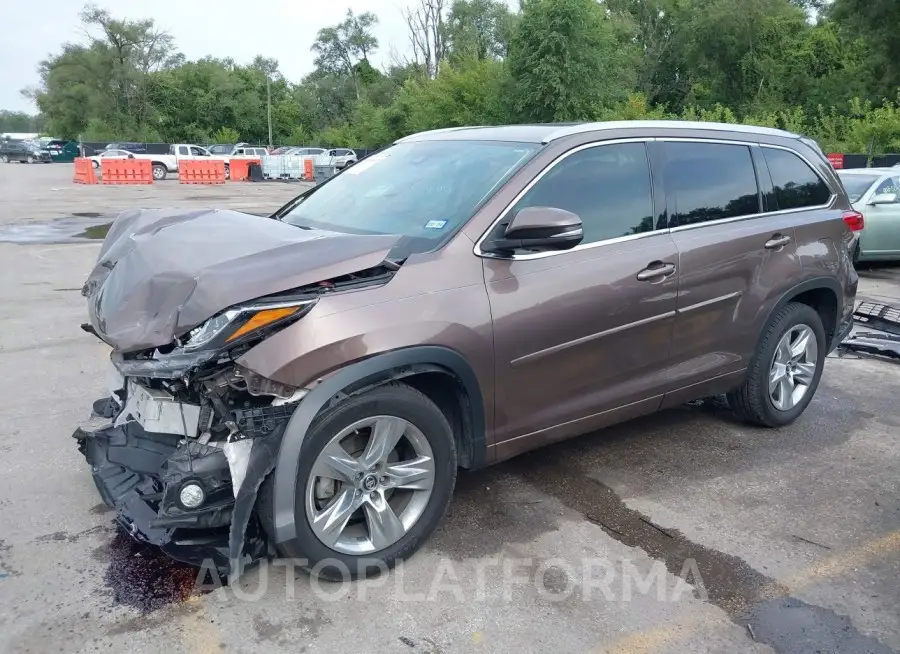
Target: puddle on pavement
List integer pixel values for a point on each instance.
(142, 577)
(749, 597)
(95, 232)
(88, 227)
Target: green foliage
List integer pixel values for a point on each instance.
(226, 135)
(19, 121)
(876, 24)
(478, 29)
(762, 62)
(566, 59)
(298, 136)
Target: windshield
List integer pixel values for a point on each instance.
(857, 185)
(424, 190)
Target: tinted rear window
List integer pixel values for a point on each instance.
(710, 181)
(796, 184)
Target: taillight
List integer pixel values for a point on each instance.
(854, 220)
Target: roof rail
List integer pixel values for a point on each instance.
(672, 124)
(437, 131)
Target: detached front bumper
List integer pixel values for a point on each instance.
(140, 474)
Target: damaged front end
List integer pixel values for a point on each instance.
(181, 459)
(188, 435)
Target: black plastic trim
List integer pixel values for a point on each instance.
(811, 285)
(333, 387)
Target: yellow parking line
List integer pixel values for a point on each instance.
(653, 639)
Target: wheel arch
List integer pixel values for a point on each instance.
(431, 369)
(824, 295)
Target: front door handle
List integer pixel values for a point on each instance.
(777, 242)
(656, 272)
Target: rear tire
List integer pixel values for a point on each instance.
(424, 424)
(159, 172)
(4, 159)
(227, 172)
(30, 159)
(755, 401)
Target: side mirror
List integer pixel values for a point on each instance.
(540, 227)
(884, 198)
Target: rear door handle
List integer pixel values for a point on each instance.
(777, 242)
(656, 272)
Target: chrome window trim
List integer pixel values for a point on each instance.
(586, 246)
(632, 237)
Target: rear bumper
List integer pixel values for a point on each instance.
(140, 475)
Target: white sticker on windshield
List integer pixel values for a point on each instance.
(435, 224)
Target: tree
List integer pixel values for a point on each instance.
(878, 21)
(19, 121)
(340, 48)
(427, 33)
(108, 78)
(567, 60)
(478, 29)
(821, 69)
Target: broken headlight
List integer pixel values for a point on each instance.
(243, 323)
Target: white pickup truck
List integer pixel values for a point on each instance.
(163, 164)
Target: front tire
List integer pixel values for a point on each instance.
(4, 159)
(30, 159)
(785, 371)
(375, 478)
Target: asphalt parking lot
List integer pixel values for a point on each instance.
(786, 541)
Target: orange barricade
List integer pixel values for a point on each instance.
(308, 170)
(126, 171)
(84, 171)
(201, 171)
(240, 168)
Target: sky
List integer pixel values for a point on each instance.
(281, 29)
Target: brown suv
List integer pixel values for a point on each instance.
(314, 381)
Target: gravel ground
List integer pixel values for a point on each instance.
(788, 540)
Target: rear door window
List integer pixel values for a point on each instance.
(607, 186)
(797, 186)
(710, 181)
(890, 185)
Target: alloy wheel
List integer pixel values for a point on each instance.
(793, 367)
(369, 485)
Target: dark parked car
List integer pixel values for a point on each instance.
(23, 153)
(314, 381)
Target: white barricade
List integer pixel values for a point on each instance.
(282, 166)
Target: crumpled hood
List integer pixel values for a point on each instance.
(162, 272)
